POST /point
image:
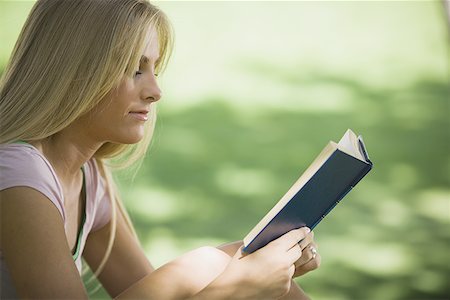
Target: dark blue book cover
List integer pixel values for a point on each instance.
(336, 172)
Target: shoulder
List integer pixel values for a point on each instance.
(24, 166)
(23, 161)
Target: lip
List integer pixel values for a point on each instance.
(141, 115)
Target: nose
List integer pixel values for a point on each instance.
(151, 91)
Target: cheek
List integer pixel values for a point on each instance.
(122, 97)
(118, 107)
(111, 120)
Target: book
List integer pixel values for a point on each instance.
(334, 173)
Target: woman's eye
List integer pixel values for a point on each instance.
(137, 73)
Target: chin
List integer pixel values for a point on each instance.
(129, 138)
(132, 139)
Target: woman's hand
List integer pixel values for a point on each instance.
(266, 273)
(310, 259)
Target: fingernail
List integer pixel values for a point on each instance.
(307, 230)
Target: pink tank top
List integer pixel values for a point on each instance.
(22, 164)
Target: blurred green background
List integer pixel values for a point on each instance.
(255, 90)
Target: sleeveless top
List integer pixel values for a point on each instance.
(21, 164)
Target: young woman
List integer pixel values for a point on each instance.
(77, 96)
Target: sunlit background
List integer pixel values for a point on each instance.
(255, 90)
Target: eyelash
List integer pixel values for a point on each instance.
(139, 73)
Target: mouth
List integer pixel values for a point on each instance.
(141, 115)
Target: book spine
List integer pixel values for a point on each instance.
(332, 206)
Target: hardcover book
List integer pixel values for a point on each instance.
(334, 173)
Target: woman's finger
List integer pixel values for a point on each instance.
(290, 239)
(291, 271)
(313, 263)
(294, 254)
(308, 266)
(307, 240)
(308, 253)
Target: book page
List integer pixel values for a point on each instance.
(349, 145)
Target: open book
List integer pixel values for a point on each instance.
(337, 169)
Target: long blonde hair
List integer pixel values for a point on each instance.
(68, 56)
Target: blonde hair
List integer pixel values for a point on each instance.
(68, 56)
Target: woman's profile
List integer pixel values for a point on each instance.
(78, 97)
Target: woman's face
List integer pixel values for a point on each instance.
(121, 116)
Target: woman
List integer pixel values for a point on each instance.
(78, 96)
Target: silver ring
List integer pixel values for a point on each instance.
(313, 251)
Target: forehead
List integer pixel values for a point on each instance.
(151, 45)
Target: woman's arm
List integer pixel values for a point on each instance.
(209, 273)
(128, 275)
(127, 263)
(35, 247)
(181, 278)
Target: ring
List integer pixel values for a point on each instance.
(313, 251)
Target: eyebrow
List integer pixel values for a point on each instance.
(145, 60)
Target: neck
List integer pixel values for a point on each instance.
(67, 151)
